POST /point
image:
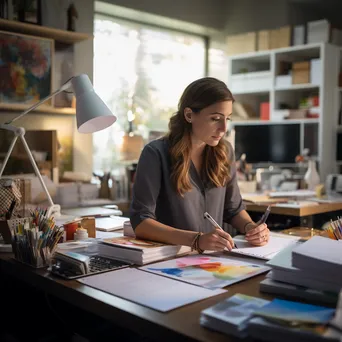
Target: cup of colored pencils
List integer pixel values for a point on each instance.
(334, 230)
(35, 240)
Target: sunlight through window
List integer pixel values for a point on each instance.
(140, 72)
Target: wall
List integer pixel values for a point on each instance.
(83, 60)
(208, 13)
(251, 15)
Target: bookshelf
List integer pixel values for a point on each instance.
(253, 79)
(41, 109)
(61, 36)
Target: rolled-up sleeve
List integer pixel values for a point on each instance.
(233, 203)
(146, 186)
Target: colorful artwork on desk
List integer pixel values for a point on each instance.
(26, 64)
(207, 271)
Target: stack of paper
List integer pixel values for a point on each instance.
(276, 243)
(319, 254)
(231, 315)
(141, 252)
(286, 279)
(108, 224)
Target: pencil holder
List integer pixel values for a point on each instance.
(30, 245)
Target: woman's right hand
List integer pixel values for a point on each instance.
(217, 240)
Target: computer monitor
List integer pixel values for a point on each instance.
(275, 143)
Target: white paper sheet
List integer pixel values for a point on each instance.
(276, 243)
(112, 223)
(154, 291)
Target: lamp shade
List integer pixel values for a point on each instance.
(92, 114)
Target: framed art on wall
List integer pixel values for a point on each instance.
(28, 11)
(26, 68)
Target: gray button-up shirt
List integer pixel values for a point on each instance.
(155, 197)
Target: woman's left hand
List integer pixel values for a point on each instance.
(257, 234)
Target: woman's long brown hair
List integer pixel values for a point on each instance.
(216, 166)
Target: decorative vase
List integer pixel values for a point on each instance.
(311, 177)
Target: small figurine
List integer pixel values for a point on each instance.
(72, 16)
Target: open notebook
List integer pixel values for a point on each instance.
(275, 244)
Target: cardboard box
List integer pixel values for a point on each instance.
(300, 72)
(274, 38)
(241, 43)
(280, 37)
(88, 223)
(264, 40)
(284, 36)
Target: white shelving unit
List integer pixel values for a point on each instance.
(267, 64)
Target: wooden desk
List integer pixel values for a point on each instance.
(299, 212)
(178, 325)
(304, 213)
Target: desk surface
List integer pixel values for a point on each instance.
(181, 324)
(299, 212)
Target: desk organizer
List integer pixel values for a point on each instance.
(34, 242)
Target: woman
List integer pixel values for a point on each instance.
(191, 171)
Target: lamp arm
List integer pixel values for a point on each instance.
(64, 87)
(36, 170)
(19, 132)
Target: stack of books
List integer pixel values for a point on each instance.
(293, 321)
(231, 316)
(140, 252)
(311, 270)
(278, 320)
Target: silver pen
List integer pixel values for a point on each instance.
(214, 223)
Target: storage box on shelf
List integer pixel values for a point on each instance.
(250, 82)
(307, 95)
(241, 43)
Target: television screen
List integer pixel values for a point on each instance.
(275, 143)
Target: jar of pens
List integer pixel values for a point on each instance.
(35, 238)
(334, 229)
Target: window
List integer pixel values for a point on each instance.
(140, 72)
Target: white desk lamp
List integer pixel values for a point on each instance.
(92, 115)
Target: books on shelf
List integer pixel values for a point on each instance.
(231, 315)
(319, 254)
(293, 321)
(276, 243)
(141, 252)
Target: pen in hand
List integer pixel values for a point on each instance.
(214, 223)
